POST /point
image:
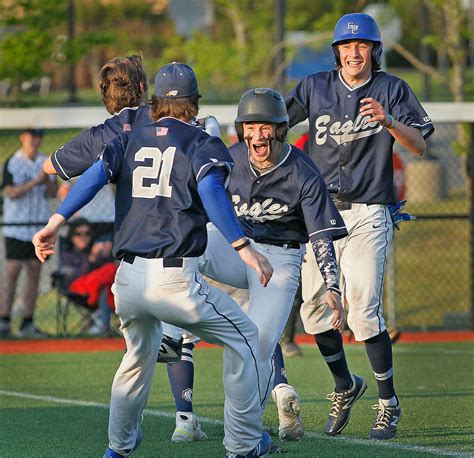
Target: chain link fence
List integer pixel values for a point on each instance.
(429, 275)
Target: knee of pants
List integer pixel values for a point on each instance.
(267, 340)
(365, 323)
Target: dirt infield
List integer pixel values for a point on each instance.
(117, 344)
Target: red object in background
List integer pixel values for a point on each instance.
(92, 283)
(398, 176)
(302, 142)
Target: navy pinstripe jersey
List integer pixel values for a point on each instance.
(288, 203)
(76, 156)
(158, 211)
(353, 155)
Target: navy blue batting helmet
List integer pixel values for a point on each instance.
(262, 105)
(358, 26)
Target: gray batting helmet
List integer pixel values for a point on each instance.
(262, 105)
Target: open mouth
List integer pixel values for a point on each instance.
(354, 63)
(260, 148)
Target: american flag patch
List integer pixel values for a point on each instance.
(127, 128)
(161, 131)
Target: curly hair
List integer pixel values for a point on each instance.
(123, 83)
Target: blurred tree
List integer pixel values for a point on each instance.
(450, 34)
(33, 39)
(135, 25)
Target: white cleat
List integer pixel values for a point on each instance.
(288, 404)
(187, 428)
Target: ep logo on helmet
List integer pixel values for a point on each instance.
(354, 28)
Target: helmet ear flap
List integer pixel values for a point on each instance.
(239, 129)
(335, 50)
(281, 131)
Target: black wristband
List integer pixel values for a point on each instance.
(242, 245)
(335, 289)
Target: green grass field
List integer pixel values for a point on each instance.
(55, 405)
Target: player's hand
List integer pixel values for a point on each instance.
(334, 302)
(370, 107)
(257, 262)
(397, 215)
(210, 125)
(45, 239)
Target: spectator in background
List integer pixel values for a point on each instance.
(89, 270)
(100, 210)
(26, 190)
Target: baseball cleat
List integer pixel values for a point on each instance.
(290, 349)
(342, 404)
(187, 428)
(109, 453)
(288, 403)
(394, 334)
(385, 425)
(30, 331)
(170, 350)
(262, 448)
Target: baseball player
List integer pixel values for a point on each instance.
(171, 177)
(355, 114)
(123, 88)
(281, 201)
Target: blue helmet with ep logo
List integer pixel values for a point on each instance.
(358, 26)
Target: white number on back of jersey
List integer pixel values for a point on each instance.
(160, 167)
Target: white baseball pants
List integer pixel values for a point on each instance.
(147, 293)
(362, 257)
(270, 307)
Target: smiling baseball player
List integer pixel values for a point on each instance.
(355, 114)
(170, 179)
(281, 202)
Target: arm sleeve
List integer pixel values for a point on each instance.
(406, 108)
(112, 156)
(7, 176)
(84, 190)
(211, 189)
(297, 103)
(321, 217)
(325, 254)
(76, 156)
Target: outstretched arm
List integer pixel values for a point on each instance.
(81, 193)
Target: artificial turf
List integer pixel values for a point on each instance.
(435, 384)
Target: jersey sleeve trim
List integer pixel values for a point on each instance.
(426, 129)
(58, 167)
(205, 168)
(328, 229)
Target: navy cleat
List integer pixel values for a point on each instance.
(385, 425)
(262, 448)
(109, 453)
(170, 350)
(342, 404)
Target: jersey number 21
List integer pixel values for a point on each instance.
(161, 165)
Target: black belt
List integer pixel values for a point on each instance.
(167, 262)
(341, 205)
(292, 244)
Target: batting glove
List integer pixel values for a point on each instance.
(209, 124)
(397, 215)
